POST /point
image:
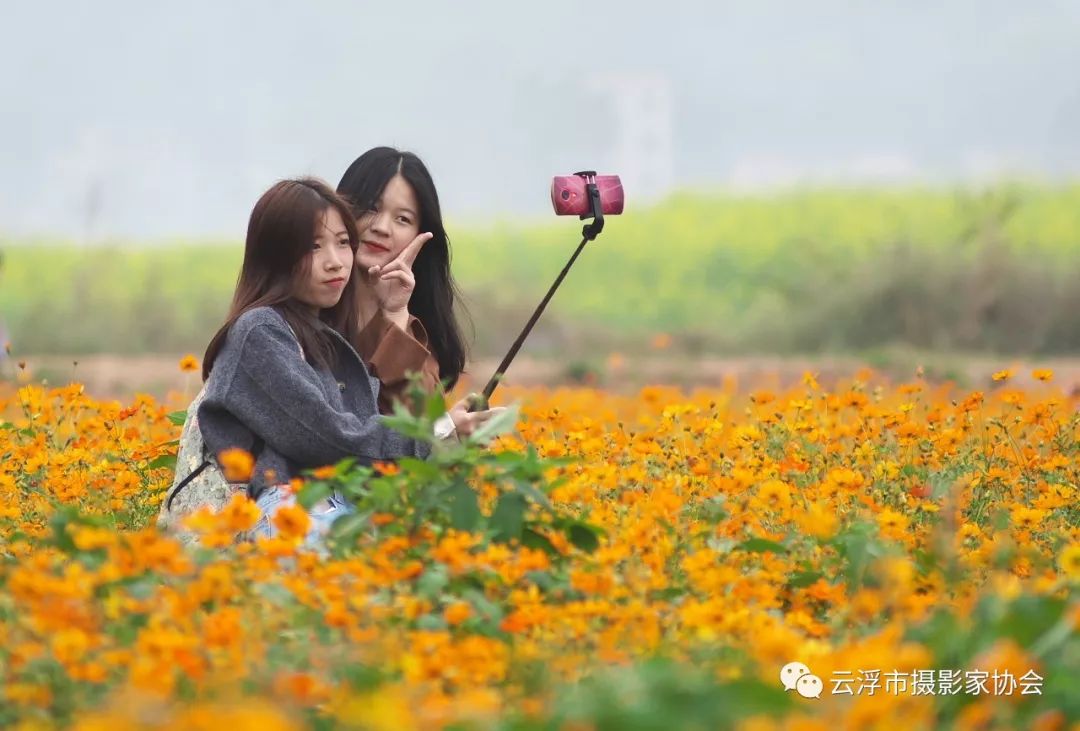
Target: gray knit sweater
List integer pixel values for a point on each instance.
(261, 386)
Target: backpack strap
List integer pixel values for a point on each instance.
(194, 473)
(256, 450)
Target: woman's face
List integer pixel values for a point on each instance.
(390, 227)
(331, 263)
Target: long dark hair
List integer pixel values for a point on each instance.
(277, 252)
(432, 300)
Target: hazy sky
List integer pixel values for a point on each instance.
(153, 120)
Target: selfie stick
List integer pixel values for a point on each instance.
(589, 232)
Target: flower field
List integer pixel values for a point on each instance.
(615, 562)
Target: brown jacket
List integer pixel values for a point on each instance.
(391, 353)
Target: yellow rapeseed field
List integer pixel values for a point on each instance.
(914, 548)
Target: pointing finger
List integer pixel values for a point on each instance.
(408, 254)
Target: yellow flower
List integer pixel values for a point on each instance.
(774, 495)
(1070, 561)
(88, 538)
(236, 464)
(457, 613)
(240, 514)
(818, 520)
(892, 524)
(69, 645)
(1002, 376)
(189, 363)
(1027, 518)
(1042, 374)
(324, 473)
(292, 521)
(675, 481)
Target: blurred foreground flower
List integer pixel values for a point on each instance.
(189, 363)
(236, 464)
(661, 341)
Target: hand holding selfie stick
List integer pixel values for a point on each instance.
(595, 211)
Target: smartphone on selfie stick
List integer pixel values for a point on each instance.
(585, 195)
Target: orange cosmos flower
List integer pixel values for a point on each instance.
(324, 473)
(237, 464)
(457, 613)
(240, 514)
(1070, 562)
(292, 521)
(189, 363)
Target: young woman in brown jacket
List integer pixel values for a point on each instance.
(407, 292)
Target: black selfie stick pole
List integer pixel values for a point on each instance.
(589, 232)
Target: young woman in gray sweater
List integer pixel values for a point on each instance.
(283, 381)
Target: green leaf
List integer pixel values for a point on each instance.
(274, 594)
(503, 422)
(431, 623)
(383, 493)
(361, 677)
(483, 605)
(162, 462)
(509, 516)
(433, 581)
(1028, 617)
(405, 423)
(713, 510)
(803, 579)
(760, 545)
(542, 579)
(346, 528)
(435, 405)
(857, 547)
(532, 492)
(178, 417)
(742, 698)
(583, 536)
(420, 467)
(464, 506)
(312, 492)
(535, 540)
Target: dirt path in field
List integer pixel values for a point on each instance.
(120, 377)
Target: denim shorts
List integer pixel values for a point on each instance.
(323, 514)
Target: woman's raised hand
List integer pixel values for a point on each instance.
(393, 282)
(466, 422)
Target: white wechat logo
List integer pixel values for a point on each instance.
(796, 676)
(790, 674)
(809, 686)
